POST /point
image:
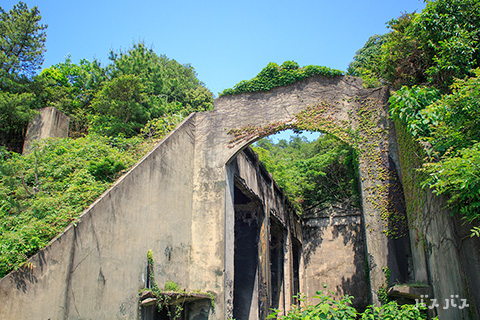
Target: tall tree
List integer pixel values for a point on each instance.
(22, 44)
(22, 41)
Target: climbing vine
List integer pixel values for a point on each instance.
(364, 131)
(165, 298)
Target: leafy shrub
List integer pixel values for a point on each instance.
(326, 308)
(313, 174)
(392, 311)
(449, 127)
(41, 193)
(274, 75)
(105, 169)
(329, 308)
(171, 286)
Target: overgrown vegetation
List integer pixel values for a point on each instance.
(164, 299)
(312, 174)
(432, 59)
(274, 75)
(432, 47)
(118, 112)
(329, 308)
(41, 193)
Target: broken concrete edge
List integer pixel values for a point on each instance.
(49, 122)
(103, 195)
(356, 82)
(410, 291)
(148, 297)
(275, 186)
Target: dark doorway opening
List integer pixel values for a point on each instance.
(277, 261)
(296, 254)
(246, 266)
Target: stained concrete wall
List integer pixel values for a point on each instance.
(334, 254)
(95, 269)
(443, 253)
(49, 123)
(177, 201)
(447, 258)
(245, 172)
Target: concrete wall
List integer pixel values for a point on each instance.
(346, 96)
(95, 269)
(334, 254)
(447, 259)
(443, 253)
(278, 225)
(49, 123)
(178, 202)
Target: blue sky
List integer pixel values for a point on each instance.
(225, 41)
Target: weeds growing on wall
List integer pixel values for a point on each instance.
(329, 308)
(447, 128)
(274, 75)
(41, 193)
(165, 300)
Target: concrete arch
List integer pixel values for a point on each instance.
(176, 203)
(337, 105)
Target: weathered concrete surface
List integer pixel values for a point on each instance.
(443, 253)
(275, 279)
(49, 123)
(334, 254)
(450, 259)
(280, 105)
(178, 202)
(96, 268)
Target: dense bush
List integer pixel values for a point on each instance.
(43, 192)
(312, 174)
(431, 47)
(448, 127)
(274, 75)
(330, 308)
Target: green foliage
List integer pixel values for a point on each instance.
(171, 286)
(393, 311)
(43, 192)
(448, 32)
(449, 128)
(274, 75)
(119, 107)
(167, 83)
(454, 120)
(326, 308)
(435, 46)
(329, 308)
(458, 176)
(159, 127)
(406, 105)
(22, 42)
(15, 113)
(312, 174)
(366, 63)
(135, 88)
(71, 88)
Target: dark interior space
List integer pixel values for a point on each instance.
(245, 291)
(296, 253)
(277, 235)
(399, 255)
(153, 312)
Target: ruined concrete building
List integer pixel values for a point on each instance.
(202, 207)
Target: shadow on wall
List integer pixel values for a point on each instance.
(334, 254)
